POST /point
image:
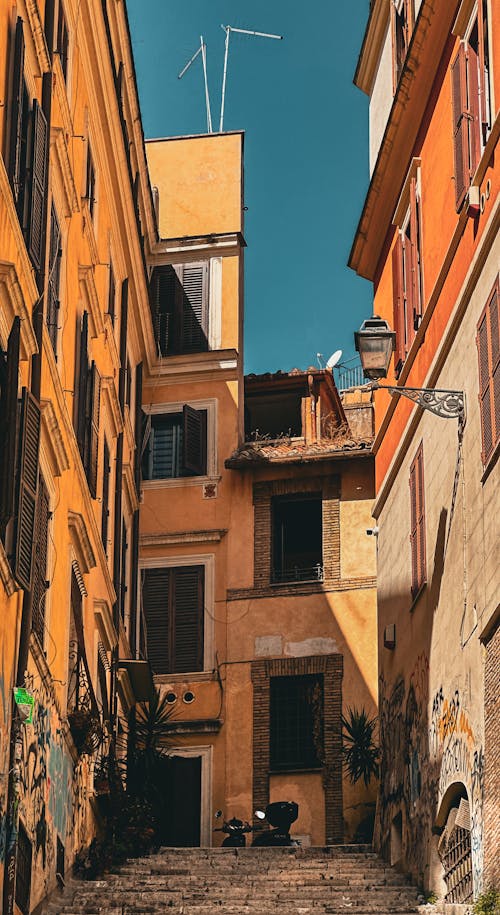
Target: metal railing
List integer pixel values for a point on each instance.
(350, 378)
(298, 573)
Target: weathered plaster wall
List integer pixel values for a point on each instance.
(381, 96)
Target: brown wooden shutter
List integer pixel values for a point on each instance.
(155, 602)
(40, 560)
(106, 472)
(187, 618)
(163, 287)
(416, 300)
(93, 428)
(35, 230)
(16, 114)
(194, 313)
(111, 294)
(474, 123)
(82, 383)
(417, 522)
(460, 125)
(398, 301)
(194, 440)
(29, 443)
(8, 425)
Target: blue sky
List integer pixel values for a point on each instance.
(306, 153)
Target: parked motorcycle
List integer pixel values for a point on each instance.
(281, 815)
(235, 830)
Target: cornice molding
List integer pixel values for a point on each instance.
(38, 33)
(58, 143)
(372, 45)
(171, 368)
(53, 440)
(12, 300)
(104, 622)
(6, 573)
(91, 299)
(182, 249)
(129, 487)
(81, 542)
(164, 538)
(61, 95)
(112, 404)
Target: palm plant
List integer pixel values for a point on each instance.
(359, 750)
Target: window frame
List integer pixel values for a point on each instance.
(211, 407)
(404, 9)
(208, 562)
(417, 523)
(407, 257)
(487, 387)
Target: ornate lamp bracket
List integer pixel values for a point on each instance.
(447, 404)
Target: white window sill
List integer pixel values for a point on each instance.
(176, 482)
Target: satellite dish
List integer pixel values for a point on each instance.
(334, 359)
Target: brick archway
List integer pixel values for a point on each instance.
(331, 666)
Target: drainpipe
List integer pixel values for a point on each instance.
(26, 600)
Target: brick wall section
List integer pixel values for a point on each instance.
(331, 666)
(491, 757)
(329, 487)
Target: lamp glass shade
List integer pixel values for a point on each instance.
(375, 342)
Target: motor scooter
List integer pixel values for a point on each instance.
(281, 815)
(235, 830)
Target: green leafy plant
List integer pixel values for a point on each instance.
(488, 903)
(359, 750)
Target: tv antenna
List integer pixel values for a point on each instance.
(228, 29)
(203, 51)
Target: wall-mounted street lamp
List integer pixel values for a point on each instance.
(375, 343)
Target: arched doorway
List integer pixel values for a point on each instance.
(454, 845)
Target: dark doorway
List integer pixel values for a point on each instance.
(181, 828)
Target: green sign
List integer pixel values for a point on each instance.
(25, 704)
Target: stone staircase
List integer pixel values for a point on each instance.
(337, 880)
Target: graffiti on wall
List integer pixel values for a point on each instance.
(428, 744)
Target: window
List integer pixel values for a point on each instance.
(106, 473)
(175, 444)
(296, 722)
(19, 106)
(488, 345)
(403, 20)
(179, 306)
(407, 270)
(40, 545)
(297, 538)
(173, 604)
(62, 45)
(111, 293)
(88, 399)
(123, 573)
(417, 521)
(90, 181)
(55, 253)
(9, 372)
(471, 101)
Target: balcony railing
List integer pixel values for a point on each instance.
(298, 573)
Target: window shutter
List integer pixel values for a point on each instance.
(163, 298)
(35, 231)
(106, 471)
(194, 313)
(40, 560)
(81, 391)
(474, 126)
(111, 294)
(194, 440)
(155, 601)
(460, 125)
(187, 618)
(54, 278)
(398, 301)
(8, 425)
(16, 124)
(27, 492)
(494, 316)
(413, 528)
(416, 300)
(93, 428)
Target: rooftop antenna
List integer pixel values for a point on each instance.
(203, 51)
(228, 29)
(334, 359)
